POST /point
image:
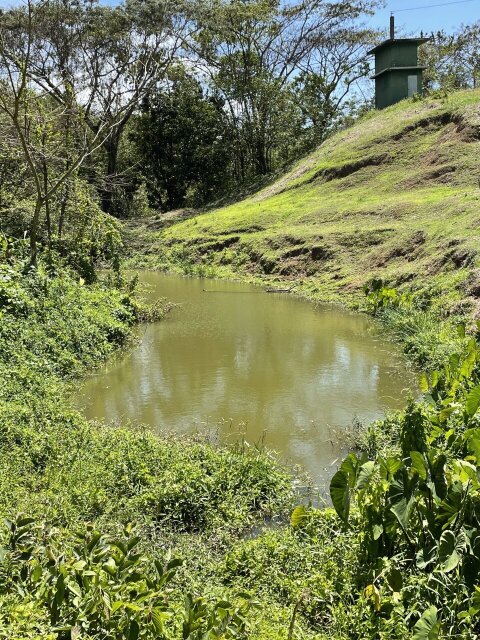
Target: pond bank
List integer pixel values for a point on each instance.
(76, 478)
(426, 329)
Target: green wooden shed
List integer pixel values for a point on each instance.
(397, 72)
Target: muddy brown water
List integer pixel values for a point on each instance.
(239, 363)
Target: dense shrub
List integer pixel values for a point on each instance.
(415, 501)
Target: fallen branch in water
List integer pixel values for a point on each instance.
(278, 290)
(259, 291)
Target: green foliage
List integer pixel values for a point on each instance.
(89, 236)
(102, 586)
(417, 321)
(71, 567)
(379, 296)
(254, 50)
(310, 565)
(182, 144)
(419, 506)
(452, 60)
(428, 627)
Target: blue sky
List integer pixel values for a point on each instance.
(409, 20)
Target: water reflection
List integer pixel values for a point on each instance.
(267, 365)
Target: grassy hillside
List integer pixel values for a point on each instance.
(396, 196)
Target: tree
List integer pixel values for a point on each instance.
(253, 51)
(31, 120)
(61, 103)
(108, 57)
(324, 85)
(182, 143)
(453, 60)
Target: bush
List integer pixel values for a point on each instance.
(417, 508)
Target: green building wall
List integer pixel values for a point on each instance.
(392, 86)
(398, 54)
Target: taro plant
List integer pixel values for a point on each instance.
(380, 296)
(101, 586)
(418, 511)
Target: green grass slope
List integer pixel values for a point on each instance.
(396, 196)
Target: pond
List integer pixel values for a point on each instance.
(241, 363)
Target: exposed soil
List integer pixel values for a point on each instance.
(408, 250)
(472, 285)
(453, 255)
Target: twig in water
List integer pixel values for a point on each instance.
(259, 291)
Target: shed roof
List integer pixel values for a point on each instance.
(412, 68)
(390, 42)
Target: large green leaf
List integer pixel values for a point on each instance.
(133, 631)
(395, 579)
(402, 510)
(473, 401)
(158, 618)
(418, 463)
(389, 467)
(298, 517)
(473, 438)
(364, 475)
(450, 550)
(437, 471)
(474, 542)
(424, 383)
(425, 556)
(377, 531)
(401, 496)
(340, 494)
(60, 590)
(428, 627)
(350, 467)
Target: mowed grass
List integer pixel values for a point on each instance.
(396, 196)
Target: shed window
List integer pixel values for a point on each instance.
(412, 85)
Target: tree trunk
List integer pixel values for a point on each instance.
(63, 205)
(111, 147)
(47, 204)
(34, 232)
(261, 158)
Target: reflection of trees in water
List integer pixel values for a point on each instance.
(275, 363)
